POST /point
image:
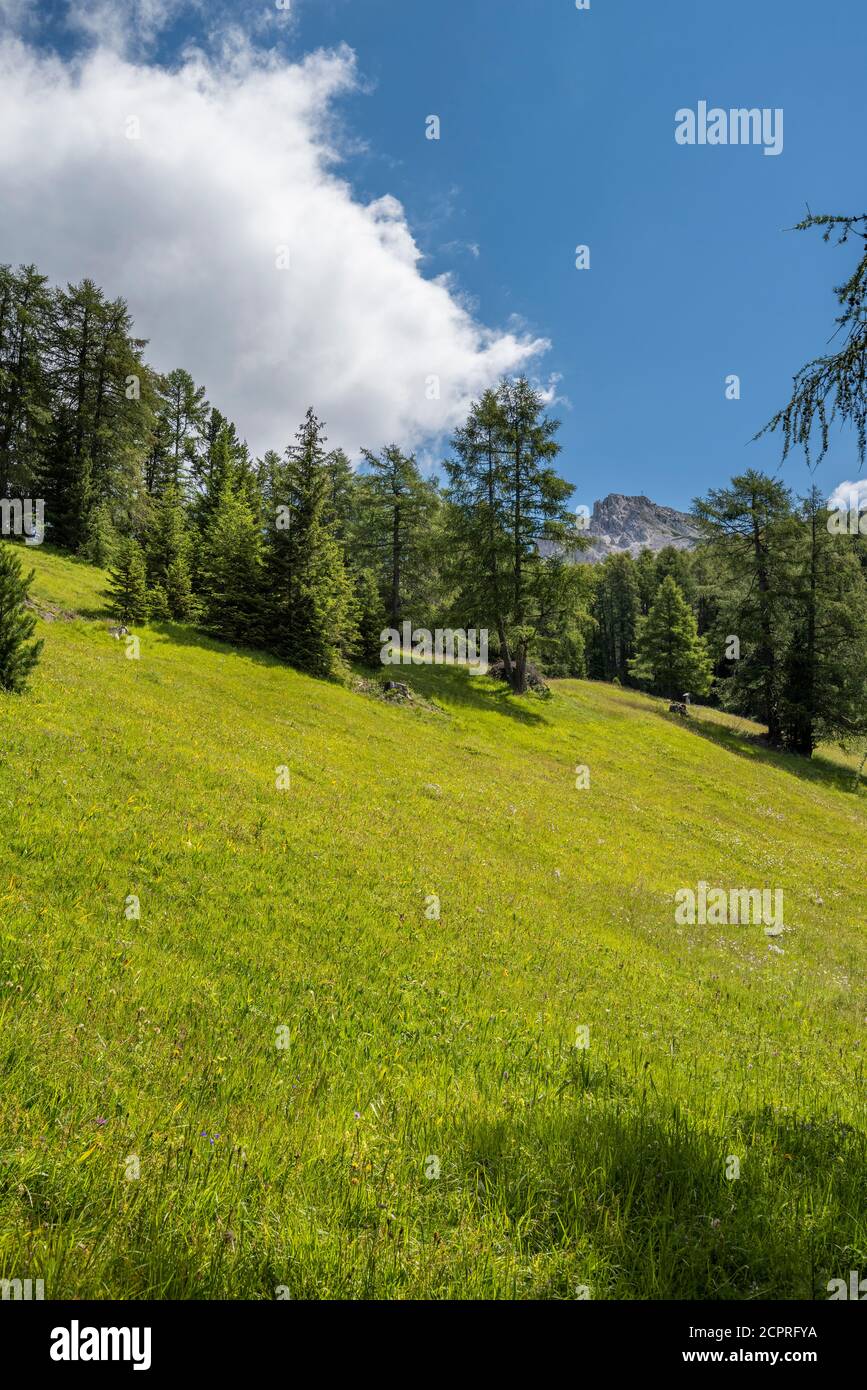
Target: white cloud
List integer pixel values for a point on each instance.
(849, 497)
(238, 156)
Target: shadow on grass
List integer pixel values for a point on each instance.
(642, 1203)
(454, 685)
(817, 769)
(451, 685)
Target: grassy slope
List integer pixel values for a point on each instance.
(412, 1039)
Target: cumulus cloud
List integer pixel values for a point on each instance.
(210, 197)
(849, 497)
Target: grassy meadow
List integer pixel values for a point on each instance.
(285, 1077)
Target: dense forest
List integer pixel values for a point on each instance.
(306, 556)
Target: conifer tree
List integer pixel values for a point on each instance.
(310, 607)
(825, 672)
(103, 412)
(167, 552)
(671, 657)
(510, 519)
(371, 617)
(100, 537)
(18, 655)
(25, 396)
(127, 592)
(397, 508)
(832, 387)
(751, 530)
(230, 574)
(616, 610)
(183, 417)
(182, 604)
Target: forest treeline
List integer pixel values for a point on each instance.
(303, 555)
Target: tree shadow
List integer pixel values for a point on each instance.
(454, 685)
(817, 770)
(657, 1205)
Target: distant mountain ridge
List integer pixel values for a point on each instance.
(633, 524)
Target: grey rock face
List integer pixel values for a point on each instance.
(623, 523)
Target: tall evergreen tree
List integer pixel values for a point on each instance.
(230, 569)
(397, 508)
(616, 610)
(103, 412)
(310, 607)
(671, 657)
(127, 591)
(832, 387)
(167, 552)
(750, 528)
(180, 432)
(25, 395)
(18, 654)
(825, 673)
(371, 617)
(511, 521)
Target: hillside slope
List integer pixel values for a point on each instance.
(324, 1091)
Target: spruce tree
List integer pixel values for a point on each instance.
(182, 603)
(310, 608)
(824, 694)
(832, 387)
(167, 552)
(103, 412)
(25, 390)
(371, 618)
(509, 516)
(230, 575)
(397, 508)
(616, 610)
(127, 592)
(18, 655)
(751, 531)
(100, 542)
(671, 657)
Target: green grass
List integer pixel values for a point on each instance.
(411, 1039)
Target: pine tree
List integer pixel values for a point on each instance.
(671, 657)
(371, 618)
(167, 552)
(18, 656)
(616, 610)
(751, 530)
(100, 539)
(230, 574)
(158, 604)
(832, 387)
(183, 416)
(25, 394)
(127, 592)
(182, 603)
(824, 695)
(310, 606)
(103, 412)
(397, 508)
(510, 520)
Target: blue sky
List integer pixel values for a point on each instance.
(558, 129)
